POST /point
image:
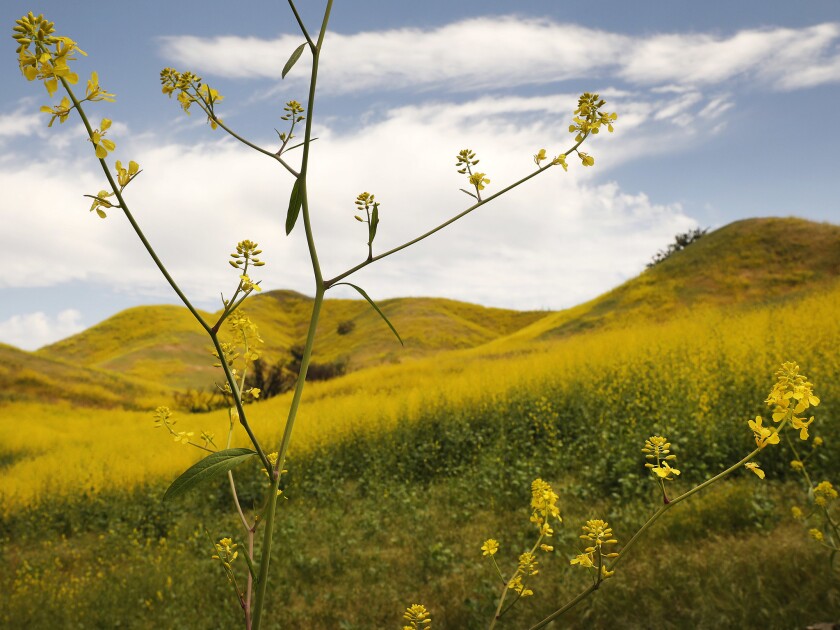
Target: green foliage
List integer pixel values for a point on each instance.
(681, 241)
(345, 327)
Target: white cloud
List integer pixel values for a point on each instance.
(21, 122)
(34, 330)
(489, 53)
(555, 241)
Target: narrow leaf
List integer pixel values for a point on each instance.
(293, 59)
(295, 202)
(375, 307)
(209, 467)
(374, 223)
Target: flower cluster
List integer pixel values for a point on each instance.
(49, 59)
(544, 504)
(466, 160)
(191, 90)
(589, 118)
(418, 617)
(598, 534)
(658, 450)
(791, 396)
(824, 493)
(246, 254)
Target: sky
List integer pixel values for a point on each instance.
(726, 111)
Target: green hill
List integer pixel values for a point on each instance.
(27, 377)
(164, 344)
(753, 261)
(747, 262)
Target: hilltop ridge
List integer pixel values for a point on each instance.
(747, 262)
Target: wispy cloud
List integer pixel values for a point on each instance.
(485, 53)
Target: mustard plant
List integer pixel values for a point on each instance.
(46, 56)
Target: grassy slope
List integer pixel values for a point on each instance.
(746, 262)
(163, 344)
(27, 377)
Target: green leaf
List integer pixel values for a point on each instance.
(293, 59)
(209, 467)
(374, 223)
(295, 202)
(375, 307)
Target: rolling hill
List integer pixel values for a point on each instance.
(748, 262)
(27, 377)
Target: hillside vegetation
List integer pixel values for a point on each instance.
(748, 262)
(28, 377)
(745, 263)
(434, 455)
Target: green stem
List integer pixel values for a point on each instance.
(265, 556)
(124, 206)
(475, 206)
(302, 26)
(237, 400)
(656, 515)
(567, 607)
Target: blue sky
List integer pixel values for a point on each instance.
(726, 111)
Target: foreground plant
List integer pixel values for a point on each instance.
(45, 56)
(790, 397)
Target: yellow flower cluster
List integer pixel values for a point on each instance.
(191, 90)
(824, 493)
(418, 617)
(226, 552)
(589, 118)
(658, 450)
(598, 533)
(791, 395)
(544, 504)
(51, 54)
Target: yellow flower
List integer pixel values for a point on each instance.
(561, 160)
(60, 111)
(490, 547)
(102, 144)
(763, 435)
(587, 160)
(797, 465)
(796, 513)
(664, 471)
(824, 492)
(584, 560)
(100, 200)
(818, 441)
(753, 466)
(540, 156)
(479, 180)
(124, 176)
(183, 437)
(94, 92)
(816, 534)
(418, 617)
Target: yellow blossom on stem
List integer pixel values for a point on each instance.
(103, 145)
(418, 617)
(753, 466)
(763, 435)
(824, 493)
(490, 547)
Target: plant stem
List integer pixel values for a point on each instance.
(656, 515)
(475, 206)
(128, 215)
(320, 289)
